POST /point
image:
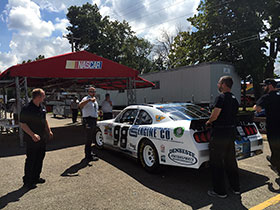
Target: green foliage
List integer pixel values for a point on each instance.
(36, 59)
(110, 39)
(231, 31)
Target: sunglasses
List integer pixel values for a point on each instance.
(91, 91)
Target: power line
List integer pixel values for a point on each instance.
(152, 13)
(136, 5)
(188, 14)
(138, 8)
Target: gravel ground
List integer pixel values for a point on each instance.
(116, 181)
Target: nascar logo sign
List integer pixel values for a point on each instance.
(83, 64)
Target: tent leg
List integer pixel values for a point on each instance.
(25, 90)
(18, 103)
(131, 91)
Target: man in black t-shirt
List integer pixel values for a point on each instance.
(271, 103)
(221, 146)
(36, 130)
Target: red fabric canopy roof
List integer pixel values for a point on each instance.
(79, 68)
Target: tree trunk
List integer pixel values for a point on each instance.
(244, 86)
(269, 70)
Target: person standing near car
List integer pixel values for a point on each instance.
(270, 101)
(74, 107)
(89, 107)
(107, 107)
(221, 145)
(36, 131)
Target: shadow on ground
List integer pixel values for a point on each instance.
(74, 169)
(190, 186)
(12, 197)
(67, 136)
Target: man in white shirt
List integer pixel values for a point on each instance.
(107, 107)
(89, 107)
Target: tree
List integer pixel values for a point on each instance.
(272, 17)
(225, 31)
(36, 59)
(162, 50)
(113, 40)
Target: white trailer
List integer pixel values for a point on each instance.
(196, 84)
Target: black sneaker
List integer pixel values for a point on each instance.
(236, 192)
(40, 181)
(93, 154)
(92, 158)
(216, 195)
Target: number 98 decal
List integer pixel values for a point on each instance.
(120, 134)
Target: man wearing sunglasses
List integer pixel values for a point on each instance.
(89, 107)
(270, 101)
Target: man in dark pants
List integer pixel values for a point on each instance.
(89, 108)
(36, 131)
(221, 146)
(271, 103)
(74, 107)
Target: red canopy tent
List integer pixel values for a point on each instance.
(73, 70)
(80, 68)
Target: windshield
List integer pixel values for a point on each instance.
(185, 112)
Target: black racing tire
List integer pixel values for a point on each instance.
(148, 156)
(98, 140)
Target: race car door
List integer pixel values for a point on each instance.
(121, 127)
(143, 119)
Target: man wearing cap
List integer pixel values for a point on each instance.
(270, 101)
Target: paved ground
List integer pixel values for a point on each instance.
(118, 182)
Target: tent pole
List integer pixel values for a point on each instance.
(18, 103)
(131, 93)
(5, 100)
(25, 90)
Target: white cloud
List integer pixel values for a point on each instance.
(32, 35)
(25, 16)
(149, 18)
(61, 25)
(59, 5)
(7, 60)
(24, 48)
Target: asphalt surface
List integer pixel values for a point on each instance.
(118, 182)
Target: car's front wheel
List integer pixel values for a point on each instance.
(99, 139)
(148, 156)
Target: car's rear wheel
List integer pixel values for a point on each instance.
(148, 156)
(99, 139)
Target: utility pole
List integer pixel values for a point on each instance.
(71, 38)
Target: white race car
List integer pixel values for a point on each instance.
(169, 134)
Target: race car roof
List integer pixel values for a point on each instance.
(76, 68)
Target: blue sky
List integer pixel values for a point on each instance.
(29, 28)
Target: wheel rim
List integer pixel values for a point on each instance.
(99, 138)
(148, 155)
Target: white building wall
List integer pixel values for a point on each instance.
(196, 84)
